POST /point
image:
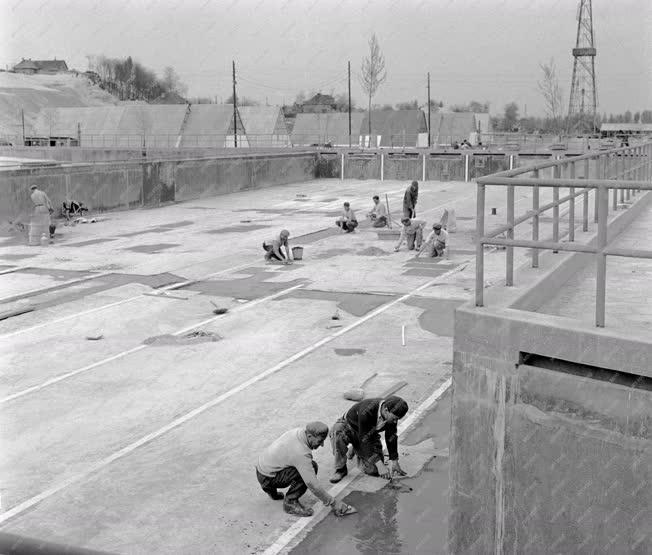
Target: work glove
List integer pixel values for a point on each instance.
(395, 469)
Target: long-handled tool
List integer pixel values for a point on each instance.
(389, 215)
(357, 394)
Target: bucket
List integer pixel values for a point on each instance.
(297, 253)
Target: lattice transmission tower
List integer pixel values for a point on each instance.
(583, 104)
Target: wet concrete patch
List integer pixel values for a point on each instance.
(237, 229)
(16, 256)
(57, 274)
(357, 304)
(316, 235)
(320, 212)
(175, 225)
(188, 339)
(408, 517)
(199, 208)
(426, 271)
(373, 251)
(151, 249)
(329, 199)
(91, 242)
(438, 315)
(250, 288)
(349, 352)
(330, 253)
(465, 218)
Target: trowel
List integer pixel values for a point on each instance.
(357, 394)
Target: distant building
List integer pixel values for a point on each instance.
(625, 129)
(319, 104)
(46, 67)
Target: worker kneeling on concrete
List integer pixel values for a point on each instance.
(378, 214)
(361, 427)
(288, 463)
(347, 221)
(272, 248)
(435, 243)
(411, 233)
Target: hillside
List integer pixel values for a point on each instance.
(35, 92)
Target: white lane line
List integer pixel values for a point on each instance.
(122, 354)
(29, 503)
(293, 531)
(16, 269)
(170, 287)
(62, 284)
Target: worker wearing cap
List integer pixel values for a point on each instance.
(361, 427)
(42, 209)
(411, 233)
(288, 463)
(272, 248)
(435, 242)
(410, 200)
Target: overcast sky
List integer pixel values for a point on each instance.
(474, 49)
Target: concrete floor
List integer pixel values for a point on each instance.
(132, 445)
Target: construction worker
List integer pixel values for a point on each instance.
(272, 248)
(435, 243)
(378, 214)
(411, 233)
(288, 463)
(41, 222)
(347, 221)
(361, 427)
(410, 200)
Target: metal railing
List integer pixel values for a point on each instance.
(623, 171)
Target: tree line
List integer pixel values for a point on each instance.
(128, 79)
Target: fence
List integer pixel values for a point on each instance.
(624, 171)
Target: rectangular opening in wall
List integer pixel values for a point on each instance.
(618, 377)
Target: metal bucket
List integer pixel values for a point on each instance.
(297, 253)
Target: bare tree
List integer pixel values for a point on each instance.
(373, 72)
(552, 94)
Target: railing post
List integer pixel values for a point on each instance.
(423, 169)
(555, 208)
(509, 252)
(479, 247)
(585, 207)
(622, 193)
(382, 167)
(598, 175)
(535, 220)
(342, 168)
(614, 201)
(571, 206)
(601, 258)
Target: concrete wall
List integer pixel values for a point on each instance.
(121, 185)
(550, 454)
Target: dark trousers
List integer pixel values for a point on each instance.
(380, 221)
(270, 252)
(288, 476)
(348, 226)
(369, 450)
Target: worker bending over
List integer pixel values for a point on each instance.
(41, 216)
(347, 220)
(378, 214)
(410, 200)
(435, 243)
(361, 427)
(272, 248)
(288, 463)
(411, 233)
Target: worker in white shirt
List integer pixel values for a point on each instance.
(411, 233)
(378, 214)
(435, 243)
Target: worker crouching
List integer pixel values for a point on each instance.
(288, 463)
(360, 427)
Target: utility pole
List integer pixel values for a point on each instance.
(22, 115)
(428, 109)
(349, 104)
(235, 116)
